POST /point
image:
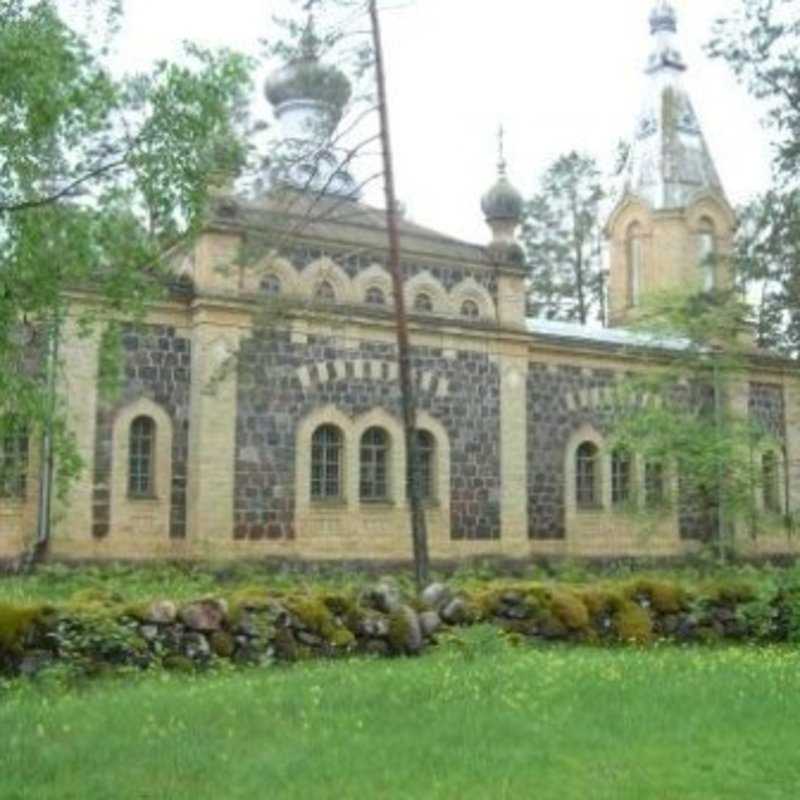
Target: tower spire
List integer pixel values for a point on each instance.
(666, 54)
(669, 162)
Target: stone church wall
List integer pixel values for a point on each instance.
(281, 382)
(157, 366)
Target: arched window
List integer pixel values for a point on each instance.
(375, 465)
(706, 254)
(325, 293)
(470, 309)
(621, 476)
(654, 484)
(635, 260)
(770, 479)
(375, 296)
(426, 460)
(13, 459)
(326, 463)
(587, 476)
(141, 457)
(423, 303)
(271, 285)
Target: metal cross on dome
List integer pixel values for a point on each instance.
(501, 149)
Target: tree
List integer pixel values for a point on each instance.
(760, 43)
(685, 414)
(562, 238)
(767, 264)
(101, 178)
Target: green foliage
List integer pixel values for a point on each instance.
(102, 178)
(760, 43)
(562, 234)
(682, 413)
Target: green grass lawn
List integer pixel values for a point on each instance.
(478, 720)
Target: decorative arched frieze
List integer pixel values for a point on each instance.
(374, 277)
(470, 289)
(425, 283)
(272, 265)
(324, 270)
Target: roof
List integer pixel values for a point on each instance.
(337, 219)
(669, 164)
(614, 337)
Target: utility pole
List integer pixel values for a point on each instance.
(419, 531)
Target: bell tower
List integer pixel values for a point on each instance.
(672, 225)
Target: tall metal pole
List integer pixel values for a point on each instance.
(419, 531)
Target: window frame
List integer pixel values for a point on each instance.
(428, 303)
(330, 467)
(375, 291)
(622, 475)
(655, 475)
(770, 483)
(634, 259)
(472, 304)
(14, 463)
(137, 456)
(588, 500)
(374, 484)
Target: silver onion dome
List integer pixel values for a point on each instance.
(502, 201)
(306, 79)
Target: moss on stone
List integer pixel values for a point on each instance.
(633, 624)
(664, 597)
(222, 644)
(16, 624)
(178, 663)
(399, 630)
(317, 617)
(570, 610)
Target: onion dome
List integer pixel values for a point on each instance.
(305, 79)
(502, 201)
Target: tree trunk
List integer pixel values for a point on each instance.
(419, 531)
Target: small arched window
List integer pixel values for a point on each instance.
(470, 309)
(635, 261)
(426, 461)
(706, 254)
(375, 296)
(423, 303)
(325, 293)
(621, 476)
(375, 465)
(771, 482)
(587, 476)
(141, 457)
(271, 285)
(326, 463)
(14, 447)
(654, 484)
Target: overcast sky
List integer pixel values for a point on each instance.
(559, 74)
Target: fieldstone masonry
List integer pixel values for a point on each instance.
(157, 365)
(273, 399)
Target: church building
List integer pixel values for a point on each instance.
(260, 412)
